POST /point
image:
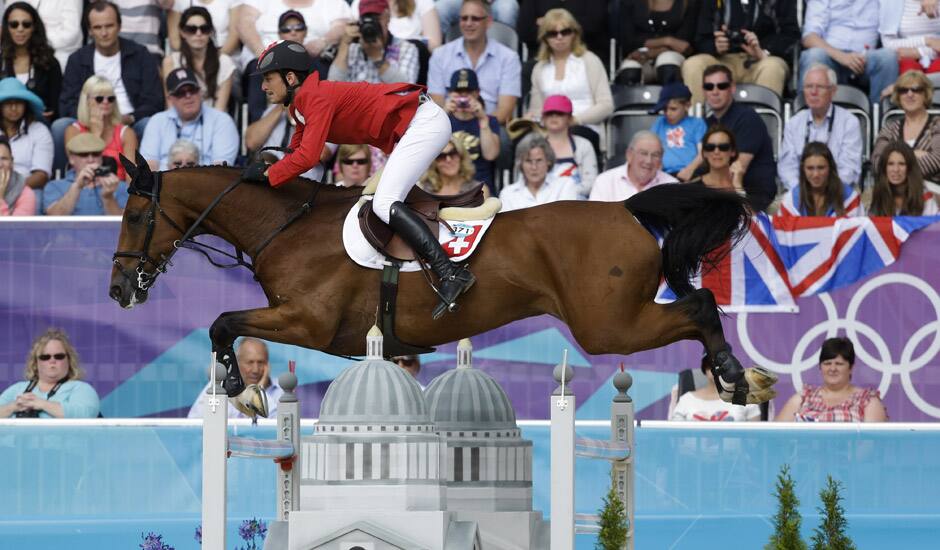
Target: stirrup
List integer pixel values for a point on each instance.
(450, 305)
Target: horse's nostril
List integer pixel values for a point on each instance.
(115, 293)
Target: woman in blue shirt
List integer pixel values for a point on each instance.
(52, 388)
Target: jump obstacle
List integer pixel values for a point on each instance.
(285, 449)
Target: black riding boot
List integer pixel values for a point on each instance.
(454, 279)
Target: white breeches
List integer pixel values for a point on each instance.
(424, 139)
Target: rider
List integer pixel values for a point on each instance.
(399, 119)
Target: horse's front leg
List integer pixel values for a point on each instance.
(269, 323)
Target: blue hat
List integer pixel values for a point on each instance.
(464, 79)
(11, 88)
(673, 90)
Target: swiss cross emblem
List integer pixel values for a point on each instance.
(464, 237)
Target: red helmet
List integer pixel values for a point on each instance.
(284, 55)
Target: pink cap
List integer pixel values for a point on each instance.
(557, 104)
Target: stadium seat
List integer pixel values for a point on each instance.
(768, 105)
(631, 114)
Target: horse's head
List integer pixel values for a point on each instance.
(147, 239)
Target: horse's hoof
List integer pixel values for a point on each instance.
(252, 402)
(761, 396)
(759, 378)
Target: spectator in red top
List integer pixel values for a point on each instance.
(387, 116)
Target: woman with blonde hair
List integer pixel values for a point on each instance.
(566, 67)
(913, 93)
(52, 385)
(99, 114)
(451, 172)
(353, 165)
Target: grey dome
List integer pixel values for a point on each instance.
(469, 399)
(374, 391)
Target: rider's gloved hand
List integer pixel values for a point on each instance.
(255, 172)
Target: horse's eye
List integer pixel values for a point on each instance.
(133, 217)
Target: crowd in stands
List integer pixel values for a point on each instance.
(533, 90)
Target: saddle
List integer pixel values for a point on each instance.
(427, 205)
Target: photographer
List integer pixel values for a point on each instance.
(477, 131)
(369, 53)
(52, 387)
(752, 38)
(90, 187)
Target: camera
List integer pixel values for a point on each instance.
(736, 38)
(369, 27)
(462, 102)
(108, 166)
(28, 413)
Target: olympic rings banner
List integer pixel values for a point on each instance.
(151, 361)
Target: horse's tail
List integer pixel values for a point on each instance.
(696, 223)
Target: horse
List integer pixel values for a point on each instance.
(594, 265)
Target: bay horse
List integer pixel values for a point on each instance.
(592, 265)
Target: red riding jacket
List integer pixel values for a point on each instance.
(344, 112)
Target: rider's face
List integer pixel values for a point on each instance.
(274, 87)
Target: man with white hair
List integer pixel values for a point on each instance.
(644, 169)
(824, 122)
(253, 365)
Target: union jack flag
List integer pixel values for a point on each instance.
(785, 257)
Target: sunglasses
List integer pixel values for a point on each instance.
(711, 147)
(185, 92)
(405, 361)
(193, 29)
(556, 34)
(709, 86)
(299, 27)
(16, 24)
(904, 90)
(474, 18)
(56, 356)
(360, 162)
(447, 155)
(102, 98)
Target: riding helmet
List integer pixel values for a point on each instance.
(285, 55)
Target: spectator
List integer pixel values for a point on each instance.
(183, 154)
(224, 15)
(899, 185)
(719, 153)
(755, 154)
(99, 114)
(574, 155)
(252, 355)
(275, 129)
(355, 165)
(680, 134)
(376, 56)
(20, 111)
(28, 56)
(642, 171)
(908, 28)
(62, 21)
(53, 386)
(837, 400)
(189, 118)
(821, 121)
(820, 192)
(260, 23)
(142, 20)
(843, 35)
(752, 39)
(534, 161)
(591, 15)
(657, 37)
(414, 20)
(411, 364)
(452, 171)
(16, 198)
(478, 131)
(90, 187)
(497, 67)
(566, 68)
(449, 11)
(198, 52)
(126, 64)
(704, 404)
(913, 92)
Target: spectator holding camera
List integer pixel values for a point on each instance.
(26, 54)
(20, 114)
(90, 187)
(260, 23)
(369, 53)
(478, 131)
(16, 198)
(414, 20)
(53, 386)
(752, 38)
(99, 114)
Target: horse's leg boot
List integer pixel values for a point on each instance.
(233, 382)
(454, 279)
(729, 378)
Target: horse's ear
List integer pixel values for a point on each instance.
(144, 180)
(128, 167)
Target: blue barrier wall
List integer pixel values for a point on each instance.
(97, 486)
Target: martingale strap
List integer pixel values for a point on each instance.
(388, 294)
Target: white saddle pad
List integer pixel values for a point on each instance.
(459, 243)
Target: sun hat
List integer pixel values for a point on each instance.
(11, 88)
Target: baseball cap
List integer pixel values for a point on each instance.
(464, 79)
(673, 90)
(179, 78)
(85, 143)
(557, 104)
(288, 15)
(372, 6)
